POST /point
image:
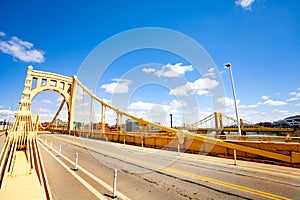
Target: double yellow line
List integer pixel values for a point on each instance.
(182, 173)
(226, 184)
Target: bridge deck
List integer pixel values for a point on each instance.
(22, 183)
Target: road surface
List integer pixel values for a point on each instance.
(145, 173)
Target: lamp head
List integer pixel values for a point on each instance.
(227, 65)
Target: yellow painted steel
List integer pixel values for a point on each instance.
(142, 121)
(200, 143)
(255, 151)
(245, 129)
(23, 182)
(157, 141)
(21, 165)
(295, 157)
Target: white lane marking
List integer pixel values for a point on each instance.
(81, 180)
(105, 185)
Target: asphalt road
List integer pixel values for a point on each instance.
(145, 173)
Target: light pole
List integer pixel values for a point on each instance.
(228, 65)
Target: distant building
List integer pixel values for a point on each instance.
(132, 126)
(45, 124)
(266, 124)
(153, 128)
(99, 126)
(78, 125)
(288, 122)
(281, 124)
(293, 120)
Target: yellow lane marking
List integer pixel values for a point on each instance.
(226, 184)
(183, 173)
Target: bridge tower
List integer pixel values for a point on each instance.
(20, 156)
(23, 127)
(218, 120)
(38, 81)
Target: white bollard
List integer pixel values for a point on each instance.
(234, 155)
(178, 149)
(142, 143)
(124, 141)
(115, 185)
(59, 150)
(76, 162)
(105, 139)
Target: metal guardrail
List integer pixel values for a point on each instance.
(202, 143)
(260, 138)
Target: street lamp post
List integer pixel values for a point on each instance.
(228, 65)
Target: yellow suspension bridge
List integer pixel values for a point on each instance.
(21, 162)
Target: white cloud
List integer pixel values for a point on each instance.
(295, 93)
(271, 102)
(222, 72)
(204, 83)
(210, 73)
(181, 91)
(245, 4)
(293, 99)
(249, 106)
(148, 70)
(43, 110)
(47, 101)
(249, 112)
(60, 99)
(264, 97)
(2, 34)
(178, 104)
(202, 92)
(118, 86)
(254, 116)
(143, 114)
(284, 112)
(226, 101)
(46, 117)
(158, 112)
(139, 105)
(200, 87)
(6, 114)
(174, 104)
(172, 71)
(149, 110)
(22, 50)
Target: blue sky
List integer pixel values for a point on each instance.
(260, 38)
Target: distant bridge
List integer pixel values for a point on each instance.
(224, 124)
